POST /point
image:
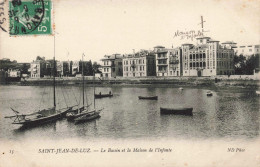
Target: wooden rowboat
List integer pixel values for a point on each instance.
(98, 96)
(177, 111)
(148, 97)
(209, 93)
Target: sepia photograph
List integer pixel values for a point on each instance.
(125, 83)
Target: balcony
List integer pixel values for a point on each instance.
(162, 64)
(174, 62)
(162, 57)
(162, 71)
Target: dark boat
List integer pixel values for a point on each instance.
(209, 93)
(148, 97)
(98, 96)
(40, 117)
(177, 111)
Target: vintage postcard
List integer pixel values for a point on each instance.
(171, 83)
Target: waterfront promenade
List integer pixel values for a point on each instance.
(233, 80)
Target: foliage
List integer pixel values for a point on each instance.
(246, 65)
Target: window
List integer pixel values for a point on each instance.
(250, 50)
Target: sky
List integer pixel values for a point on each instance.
(102, 27)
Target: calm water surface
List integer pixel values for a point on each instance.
(231, 113)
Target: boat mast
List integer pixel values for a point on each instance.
(54, 68)
(94, 88)
(83, 79)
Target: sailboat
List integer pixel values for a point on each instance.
(41, 116)
(82, 111)
(90, 115)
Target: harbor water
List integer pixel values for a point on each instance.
(231, 113)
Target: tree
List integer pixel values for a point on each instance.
(96, 66)
(246, 66)
(25, 68)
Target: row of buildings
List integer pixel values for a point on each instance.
(207, 58)
(43, 68)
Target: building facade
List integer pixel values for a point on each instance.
(168, 61)
(37, 68)
(207, 58)
(139, 64)
(247, 50)
(75, 68)
(112, 65)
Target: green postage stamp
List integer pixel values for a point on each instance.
(30, 17)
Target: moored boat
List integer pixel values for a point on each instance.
(79, 111)
(177, 111)
(98, 96)
(88, 116)
(41, 116)
(148, 97)
(83, 113)
(258, 93)
(209, 93)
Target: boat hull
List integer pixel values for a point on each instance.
(177, 111)
(209, 94)
(98, 96)
(88, 116)
(43, 120)
(148, 97)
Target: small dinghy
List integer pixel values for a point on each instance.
(258, 93)
(209, 93)
(98, 96)
(148, 97)
(177, 111)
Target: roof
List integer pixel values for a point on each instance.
(112, 57)
(158, 46)
(228, 42)
(212, 40)
(187, 44)
(203, 37)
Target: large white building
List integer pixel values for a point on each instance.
(247, 50)
(168, 61)
(207, 58)
(139, 64)
(112, 66)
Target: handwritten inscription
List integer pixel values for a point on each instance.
(191, 34)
